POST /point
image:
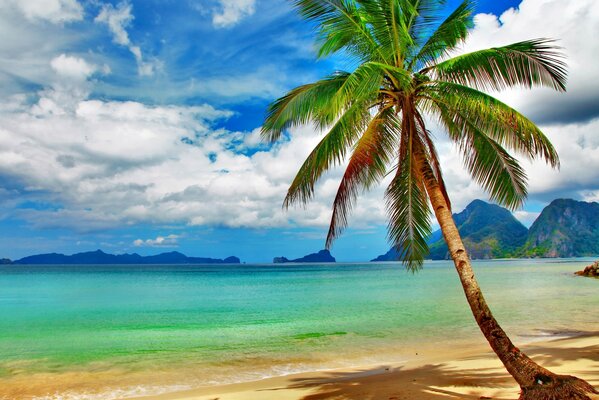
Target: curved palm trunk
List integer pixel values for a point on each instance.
(535, 381)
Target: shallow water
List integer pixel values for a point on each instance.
(87, 331)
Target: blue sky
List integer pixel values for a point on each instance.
(132, 126)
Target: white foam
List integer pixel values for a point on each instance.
(114, 394)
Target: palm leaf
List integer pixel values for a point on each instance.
(330, 151)
(528, 63)
(499, 121)
(302, 105)
(366, 81)
(487, 161)
(342, 25)
(448, 34)
(383, 17)
(407, 204)
(366, 167)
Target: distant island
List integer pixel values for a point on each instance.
(565, 228)
(323, 256)
(99, 257)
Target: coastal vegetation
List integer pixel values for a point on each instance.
(375, 117)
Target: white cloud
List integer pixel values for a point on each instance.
(69, 85)
(28, 47)
(232, 11)
(72, 67)
(160, 241)
(54, 11)
(114, 163)
(117, 19)
(109, 163)
(578, 147)
(574, 24)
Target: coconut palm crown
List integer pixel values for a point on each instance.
(375, 116)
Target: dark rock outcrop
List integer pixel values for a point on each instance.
(592, 271)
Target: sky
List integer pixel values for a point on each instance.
(133, 126)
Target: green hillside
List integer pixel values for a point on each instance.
(488, 231)
(565, 228)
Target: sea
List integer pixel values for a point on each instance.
(117, 331)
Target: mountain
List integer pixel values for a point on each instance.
(99, 257)
(488, 231)
(565, 228)
(323, 256)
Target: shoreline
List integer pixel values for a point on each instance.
(459, 374)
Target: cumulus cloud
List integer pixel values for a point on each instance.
(109, 163)
(578, 147)
(160, 241)
(69, 85)
(74, 68)
(573, 24)
(231, 12)
(104, 164)
(118, 18)
(54, 11)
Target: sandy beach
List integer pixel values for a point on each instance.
(437, 374)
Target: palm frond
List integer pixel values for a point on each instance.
(452, 31)
(330, 151)
(418, 15)
(303, 105)
(499, 121)
(407, 204)
(425, 16)
(529, 63)
(342, 25)
(384, 19)
(366, 167)
(488, 162)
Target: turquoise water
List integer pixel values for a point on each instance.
(152, 327)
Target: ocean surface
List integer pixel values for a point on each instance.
(87, 332)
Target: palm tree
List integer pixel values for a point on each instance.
(376, 118)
